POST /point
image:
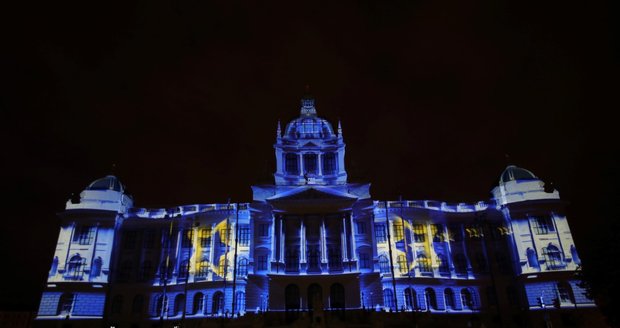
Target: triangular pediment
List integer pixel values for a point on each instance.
(310, 144)
(312, 193)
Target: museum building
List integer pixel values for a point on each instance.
(311, 241)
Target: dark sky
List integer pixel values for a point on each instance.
(183, 97)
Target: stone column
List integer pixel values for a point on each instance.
(323, 246)
(211, 254)
(320, 163)
(301, 165)
(302, 247)
(345, 256)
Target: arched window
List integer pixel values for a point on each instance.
(553, 257)
(218, 303)
(65, 304)
(138, 304)
(336, 296)
(431, 299)
(179, 304)
(460, 263)
(291, 297)
(315, 296)
(411, 301)
(75, 268)
(198, 303)
(96, 270)
(532, 259)
(242, 267)
(384, 264)
(467, 299)
(54, 268)
(565, 293)
(240, 302)
(402, 264)
(161, 305)
(573, 253)
(388, 299)
(291, 165)
(449, 296)
(117, 305)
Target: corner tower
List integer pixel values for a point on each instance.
(309, 151)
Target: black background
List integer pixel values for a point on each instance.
(183, 97)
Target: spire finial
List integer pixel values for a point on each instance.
(279, 131)
(339, 129)
(307, 104)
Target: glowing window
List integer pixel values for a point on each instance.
(402, 264)
(244, 235)
(444, 266)
(553, 258)
(75, 268)
(384, 264)
(437, 232)
(184, 269)
(242, 268)
(240, 302)
(205, 237)
(542, 225)
(419, 233)
(84, 235)
(398, 231)
(424, 264)
(380, 233)
(203, 269)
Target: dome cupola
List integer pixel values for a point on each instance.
(308, 151)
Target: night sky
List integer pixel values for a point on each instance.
(183, 98)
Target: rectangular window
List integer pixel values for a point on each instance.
(310, 164)
(224, 237)
(262, 262)
(380, 233)
(398, 231)
(419, 233)
(263, 229)
(205, 237)
(364, 260)
(203, 269)
(291, 164)
(360, 227)
(188, 235)
(542, 225)
(244, 235)
(438, 233)
(84, 235)
(329, 163)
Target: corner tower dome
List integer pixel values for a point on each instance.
(107, 193)
(517, 184)
(514, 173)
(309, 151)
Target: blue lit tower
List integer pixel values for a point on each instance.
(83, 261)
(312, 230)
(545, 253)
(309, 152)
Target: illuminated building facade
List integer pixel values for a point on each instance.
(311, 241)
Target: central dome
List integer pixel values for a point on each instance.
(308, 125)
